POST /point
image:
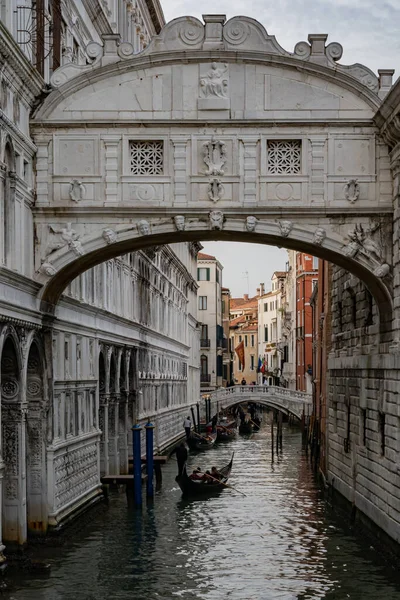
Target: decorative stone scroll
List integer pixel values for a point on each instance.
(76, 190)
(352, 190)
(47, 268)
(215, 190)
(214, 156)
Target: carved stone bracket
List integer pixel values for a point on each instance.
(216, 219)
(215, 189)
(352, 190)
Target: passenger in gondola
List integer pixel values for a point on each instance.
(215, 473)
(209, 428)
(197, 475)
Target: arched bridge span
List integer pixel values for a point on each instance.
(288, 401)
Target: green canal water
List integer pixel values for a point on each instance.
(280, 541)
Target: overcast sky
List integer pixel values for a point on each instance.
(369, 33)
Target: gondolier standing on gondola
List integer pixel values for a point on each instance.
(187, 424)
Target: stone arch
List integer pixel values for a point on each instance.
(301, 237)
(13, 439)
(36, 424)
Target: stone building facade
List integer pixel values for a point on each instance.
(123, 346)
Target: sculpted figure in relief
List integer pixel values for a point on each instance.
(213, 83)
(179, 221)
(143, 227)
(382, 270)
(69, 238)
(251, 223)
(109, 235)
(285, 227)
(361, 241)
(214, 156)
(216, 219)
(319, 236)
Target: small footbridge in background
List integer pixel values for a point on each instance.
(288, 401)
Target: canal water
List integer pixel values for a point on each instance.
(279, 541)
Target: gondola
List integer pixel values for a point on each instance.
(197, 442)
(225, 434)
(194, 488)
(246, 427)
(256, 423)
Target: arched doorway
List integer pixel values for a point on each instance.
(36, 476)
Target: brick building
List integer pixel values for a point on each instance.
(306, 279)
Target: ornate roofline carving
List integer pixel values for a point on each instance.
(238, 36)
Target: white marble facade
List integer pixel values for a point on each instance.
(123, 346)
(132, 154)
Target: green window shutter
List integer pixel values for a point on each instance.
(208, 274)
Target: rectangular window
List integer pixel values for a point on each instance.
(314, 284)
(315, 262)
(223, 307)
(146, 157)
(265, 333)
(239, 365)
(203, 274)
(217, 275)
(284, 156)
(382, 422)
(204, 332)
(245, 340)
(265, 306)
(202, 302)
(271, 306)
(252, 341)
(240, 338)
(252, 362)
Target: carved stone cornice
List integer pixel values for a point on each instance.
(17, 132)
(11, 53)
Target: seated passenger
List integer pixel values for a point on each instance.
(196, 475)
(215, 473)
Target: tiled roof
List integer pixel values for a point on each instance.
(202, 256)
(280, 273)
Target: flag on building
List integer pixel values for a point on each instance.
(240, 352)
(259, 364)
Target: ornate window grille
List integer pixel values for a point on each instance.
(284, 156)
(147, 157)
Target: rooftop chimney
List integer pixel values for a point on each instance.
(246, 297)
(262, 289)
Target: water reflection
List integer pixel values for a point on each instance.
(280, 541)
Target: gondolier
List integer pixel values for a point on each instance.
(181, 456)
(187, 424)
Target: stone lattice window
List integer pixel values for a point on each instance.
(284, 156)
(146, 157)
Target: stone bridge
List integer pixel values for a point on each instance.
(288, 401)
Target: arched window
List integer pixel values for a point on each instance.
(8, 208)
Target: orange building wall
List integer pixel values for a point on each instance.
(306, 273)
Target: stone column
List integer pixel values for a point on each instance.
(14, 483)
(103, 425)
(123, 433)
(113, 430)
(250, 171)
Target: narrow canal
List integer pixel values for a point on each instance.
(280, 541)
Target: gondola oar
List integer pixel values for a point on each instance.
(202, 437)
(226, 485)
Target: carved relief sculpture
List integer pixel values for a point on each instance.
(215, 190)
(214, 84)
(216, 219)
(143, 227)
(361, 241)
(76, 190)
(214, 156)
(179, 221)
(319, 236)
(69, 238)
(285, 227)
(382, 271)
(109, 236)
(352, 190)
(251, 223)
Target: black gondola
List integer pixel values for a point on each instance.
(195, 488)
(225, 434)
(200, 442)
